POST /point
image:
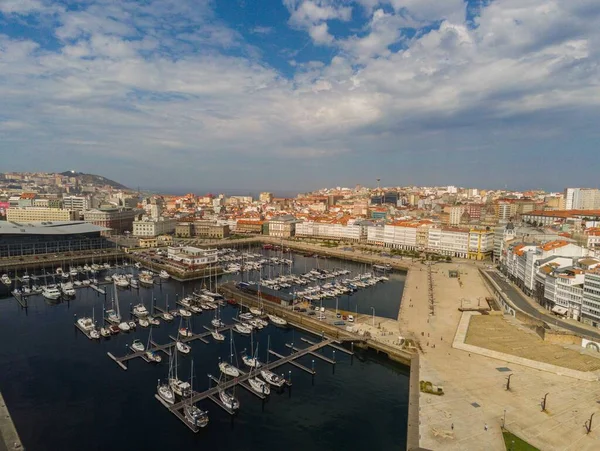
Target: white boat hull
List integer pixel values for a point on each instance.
(228, 369)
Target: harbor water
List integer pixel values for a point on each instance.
(65, 393)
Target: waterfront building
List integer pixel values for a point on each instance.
(38, 214)
(375, 235)
(117, 219)
(283, 226)
(336, 229)
(149, 227)
(36, 238)
(202, 229)
(250, 226)
(192, 256)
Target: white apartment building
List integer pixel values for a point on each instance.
(147, 227)
(375, 235)
(520, 259)
(337, 231)
(77, 203)
(34, 214)
(582, 199)
(590, 309)
(400, 235)
(569, 293)
(283, 226)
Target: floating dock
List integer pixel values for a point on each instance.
(166, 348)
(212, 393)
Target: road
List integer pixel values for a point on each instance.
(525, 305)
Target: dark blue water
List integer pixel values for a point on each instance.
(66, 394)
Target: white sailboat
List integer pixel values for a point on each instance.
(182, 347)
(191, 412)
(164, 390)
(251, 360)
(178, 386)
(242, 329)
(152, 355)
(226, 367)
(216, 321)
(229, 400)
(270, 376)
(166, 315)
(278, 321)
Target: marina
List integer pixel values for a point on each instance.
(295, 352)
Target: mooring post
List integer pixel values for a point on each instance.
(352, 355)
(290, 382)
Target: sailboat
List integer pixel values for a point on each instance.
(216, 321)
(251, 360)
(278, 321)
(151, 355)
(258, 311)
(114, 316)
(178, 386)
(228, 368)
(166, 315)
(182, 347)
(164, 390)
(258, 385)
(123, 325)
(270, 376)
(185, 331)
(191, 412)
(93, 332)
(228, 399)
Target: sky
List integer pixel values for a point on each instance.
(284, 95)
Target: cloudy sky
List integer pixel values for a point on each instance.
(296, 94)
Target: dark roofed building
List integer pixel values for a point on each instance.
(34, 238)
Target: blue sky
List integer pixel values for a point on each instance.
(291, 95)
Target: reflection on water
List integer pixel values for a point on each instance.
(66, 394)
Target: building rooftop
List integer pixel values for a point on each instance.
(48, 228)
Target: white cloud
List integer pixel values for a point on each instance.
(312, 15)
(137, 91)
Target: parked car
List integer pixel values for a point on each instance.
(312, 313)
(339, 323)
(350, 318)
(338, 315)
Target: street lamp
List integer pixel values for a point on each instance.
(373, 308)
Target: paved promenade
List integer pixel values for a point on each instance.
(475, 385)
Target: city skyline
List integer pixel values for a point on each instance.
(297, 94)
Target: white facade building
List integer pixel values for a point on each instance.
(148, 227)
(192, 256)
(590, 309)
(77, 203)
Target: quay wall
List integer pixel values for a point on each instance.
(9, 437)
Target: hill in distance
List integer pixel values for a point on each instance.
(93, 179)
